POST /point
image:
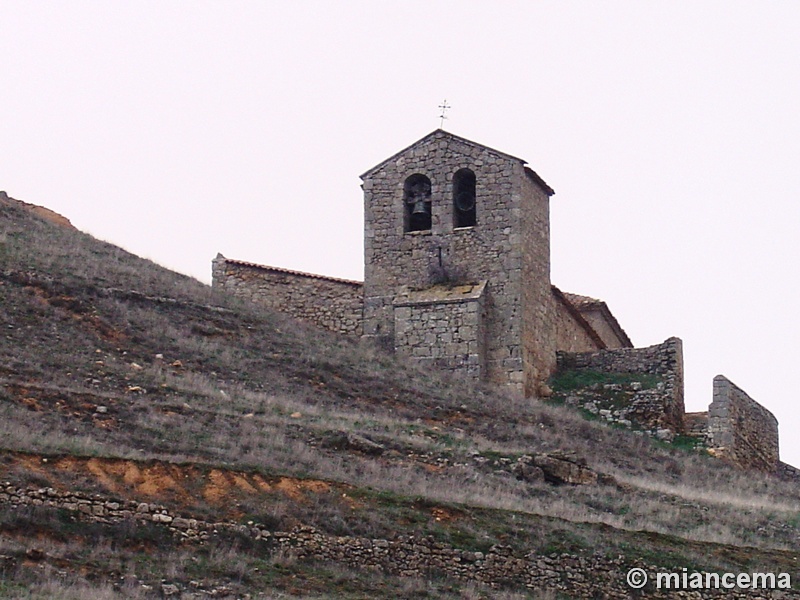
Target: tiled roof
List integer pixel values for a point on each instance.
(582, 303)
(289, 271)
(579, 301)
(576, 314)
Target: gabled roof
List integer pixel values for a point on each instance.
(442, 133)
(576, 314)
(586, 304)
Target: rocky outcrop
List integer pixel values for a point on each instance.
(39, 211)
(341, 440)
(557, 468)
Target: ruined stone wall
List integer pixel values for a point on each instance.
(573, 575)
(491, 250)
(333, 304)
(656, 408)
(741, 430)
(788, 473)
(696, 426)
(447, 334)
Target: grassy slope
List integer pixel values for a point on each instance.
(186, 375)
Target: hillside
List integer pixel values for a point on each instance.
(150, 400)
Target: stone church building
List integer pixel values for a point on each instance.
(456, 270)
(457, 277)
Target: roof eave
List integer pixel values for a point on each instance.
(252, 265)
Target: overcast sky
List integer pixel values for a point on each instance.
(669, 130)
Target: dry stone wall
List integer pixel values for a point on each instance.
(586, 576)
(741, 430)
(333, 304)
(788, 473)
(660, 408)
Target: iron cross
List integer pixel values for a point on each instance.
(444, 106)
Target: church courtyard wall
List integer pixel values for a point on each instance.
(329, 303)
(657, 407)
(741, 430)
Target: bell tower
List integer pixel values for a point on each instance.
(457, 261)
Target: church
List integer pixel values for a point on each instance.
(456, 270)
(457, 278)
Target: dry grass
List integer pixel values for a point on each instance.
(188, 375)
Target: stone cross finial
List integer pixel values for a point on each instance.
(444, 106)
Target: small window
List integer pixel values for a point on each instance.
(464, 214)
(417, 199)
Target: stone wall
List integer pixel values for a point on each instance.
(605, 325)
(696, 426)
(788, 473)
(659, 408)
(741, 430)
(572, 333)
(538, 306)
(327, 302)
(442, 328)
(573, 575)
(492, 250)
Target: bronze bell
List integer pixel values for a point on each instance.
(420, 207)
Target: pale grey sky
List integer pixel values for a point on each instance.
(669, 130)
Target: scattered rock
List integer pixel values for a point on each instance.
(170, 590)
(565, 467)
(664, 435)
(101, 410)
(341, 440)
(34, 554)
(524, 470)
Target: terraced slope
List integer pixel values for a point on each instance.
(122, 379)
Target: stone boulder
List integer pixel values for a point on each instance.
(527, 471)
(557, 468)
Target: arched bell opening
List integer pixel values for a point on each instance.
(417, 200)
(464, 199)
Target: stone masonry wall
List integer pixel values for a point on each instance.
(446, 335)
(741, 430)
(538, 309)
(570, 336)
(661, 408)
(573, 575)
(490, 250)
(599, 322)
(333, 304)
